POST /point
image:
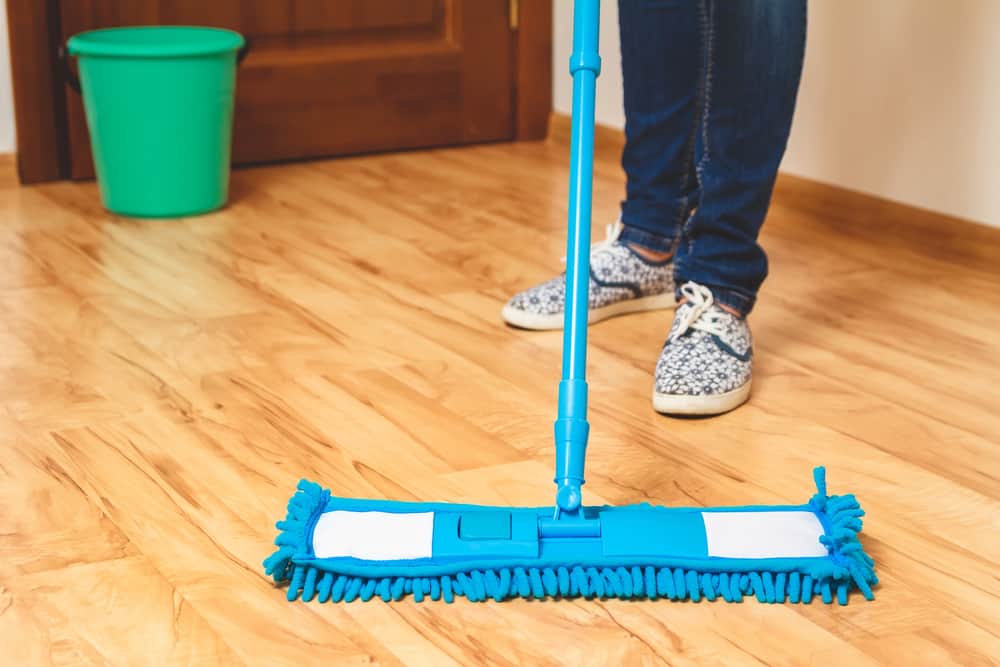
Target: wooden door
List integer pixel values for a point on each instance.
(332, 77)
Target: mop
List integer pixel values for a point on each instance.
(340, 549)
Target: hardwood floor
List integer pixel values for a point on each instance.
(164, 384)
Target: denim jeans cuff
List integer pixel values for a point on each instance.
(648, 240)
(659, 221)
(731, 298)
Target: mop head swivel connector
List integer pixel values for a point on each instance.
(339, 550)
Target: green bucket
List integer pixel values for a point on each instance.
(159, 104)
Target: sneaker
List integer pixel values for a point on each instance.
(704, 368)
(621, 281)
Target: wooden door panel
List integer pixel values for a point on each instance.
(260, 19)
(330, 77)
(102, 13)
(419, 104)
(317, 17)
(218, 13)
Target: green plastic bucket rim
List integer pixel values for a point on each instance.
(155, 42)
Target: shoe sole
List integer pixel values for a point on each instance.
(711, 404)
(525, 320)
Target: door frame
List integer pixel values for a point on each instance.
(40, 90)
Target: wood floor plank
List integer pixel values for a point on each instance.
(206, 544)
(117, 612)
(165, 384)
(49, 522)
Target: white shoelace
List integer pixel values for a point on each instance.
(697, 315)
(611, 234)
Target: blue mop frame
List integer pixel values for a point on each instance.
(574, 567)
(561, 551)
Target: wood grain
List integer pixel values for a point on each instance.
(164, 384)
(533, 89)
(39, 91)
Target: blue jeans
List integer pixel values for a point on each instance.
(710, 90)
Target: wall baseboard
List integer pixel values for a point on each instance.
(8, 170)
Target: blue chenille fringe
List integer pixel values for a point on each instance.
(841, 516)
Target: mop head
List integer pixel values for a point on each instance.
(339, 550)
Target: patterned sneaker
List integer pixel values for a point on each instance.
(704, 368)
(621, 281)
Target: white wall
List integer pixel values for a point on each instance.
(609, 85)
(899, 98)
(6, 99)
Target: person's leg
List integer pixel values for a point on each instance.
(753, 60)
(631, 270)
(662, 71)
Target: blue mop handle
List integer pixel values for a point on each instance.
(571, 428)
